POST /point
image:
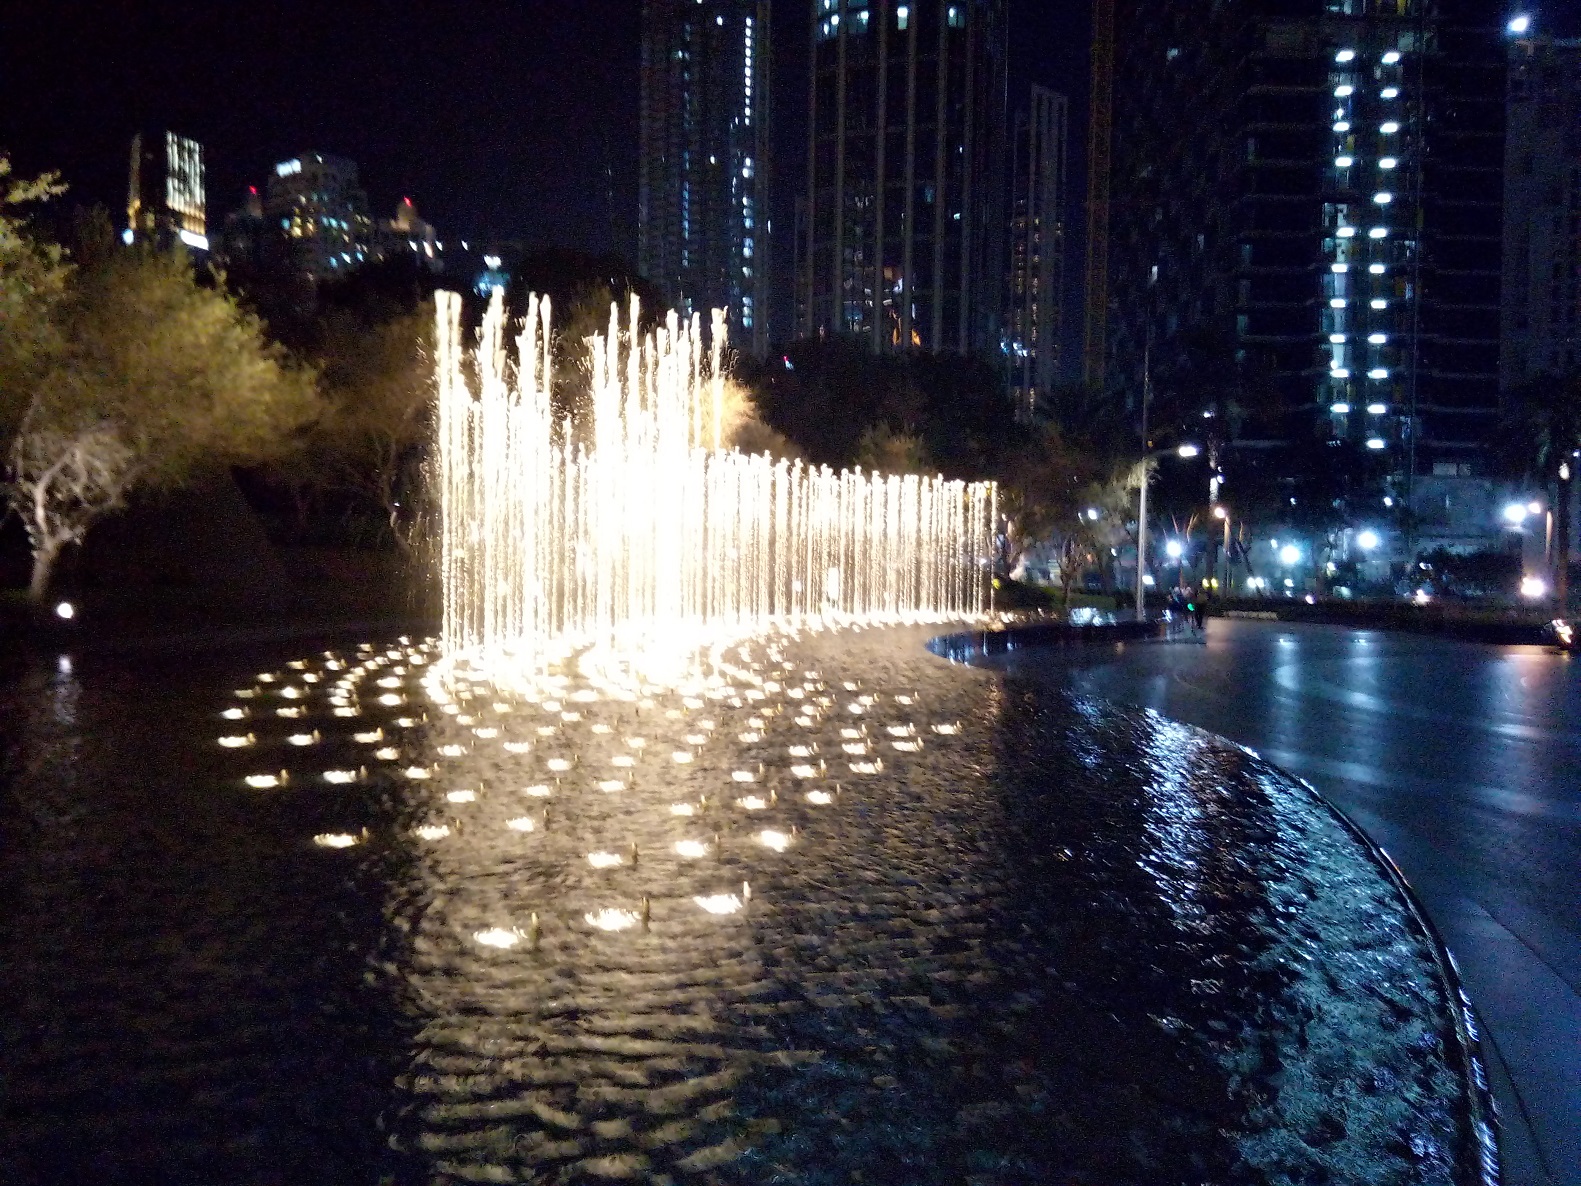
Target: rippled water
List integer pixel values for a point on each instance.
(895, 921)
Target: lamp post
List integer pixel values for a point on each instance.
(1185, 451)
(1222, 512)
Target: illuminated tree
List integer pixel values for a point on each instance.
(146, 380)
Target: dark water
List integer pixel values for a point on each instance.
(1056, 943)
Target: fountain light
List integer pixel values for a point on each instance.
(290, 712)
(613, 919)
(820, 798)
(685, 809)
(753, 803)
(681, 757)
(611, 785)
(804, 771)
(537, 792)
(778, 841)
(559, 765)
(369, 738)
(518, 747)
(387, 754)
(433, 831)
(234, 714)
(238, 741)
(335, 839)
(497, 937)
(743, 776)
(304, 738)
(347, 712)
(391, 699)
(262, 782)
(461, 797)
(719, 903)
(604, 860)
(418, 772)
(340, 776)
(691, 850)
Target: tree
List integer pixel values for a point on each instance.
(149, 379)
(33, 278)
(1538, 438)
(377, 382)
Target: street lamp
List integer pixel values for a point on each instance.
(1185, 451)
(1367, 540)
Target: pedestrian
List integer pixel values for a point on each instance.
(1199, 609)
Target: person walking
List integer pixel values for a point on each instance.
(1197, 606)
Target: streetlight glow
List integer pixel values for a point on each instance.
(1368, 540)
(1289, 554)
(1519, 25)
(1516, 513)
(1188, 450)
(1175, 549)
(1534, 587)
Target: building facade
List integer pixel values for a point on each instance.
(704, 159)
(322, 212)
(1304, 242)
(901, 230)
(1542, 210)
(165, 201)
(1035, 283)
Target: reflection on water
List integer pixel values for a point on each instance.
(1033, 941)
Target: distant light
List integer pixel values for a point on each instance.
(1147, 579)
(127, 236)
(1378, 232)
(1345, 232)
(1388, 501)
(1375, 443)
(1339, 409)
(1377, 339)
(1383, 198)
(1188, 450)
(1377, 409)
(1092, 512)
(1391, 57)
(1535, 507)
(1345, 55)
(1377, 373)
(1389, 92)
(1341, 92)
(1289, 554)
(193, 240)
(1336, 302)
(1516, 513)
(1339, 373)
(1367, 540)
(65, 611)
(1175, 549)
(1344, 162)
(1534, 587)
(286, 168)
(1336, 338)
(1376, 269)
(1339, 269)
(1389, 127)
(1519, 25)
(1342, 125)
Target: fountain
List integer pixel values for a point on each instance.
(640, 530)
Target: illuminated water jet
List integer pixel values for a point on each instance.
(638, 531)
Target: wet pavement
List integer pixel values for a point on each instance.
(1464, 762)
(843, 913)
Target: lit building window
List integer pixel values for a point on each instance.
(1377, 339)
(1391, 57)
(956, 17)
(1339, 409)
(1376, 269)
(1378, 232)
(1389, 127)
(1379, 303)
(903, 17)
(1344, 162)
(1343, 90)
(1345, 55)
(1342, 125)
(1377, 373)
(1387, 162)
(1390, 92)
(1383, 199)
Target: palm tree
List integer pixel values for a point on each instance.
(1538, 440)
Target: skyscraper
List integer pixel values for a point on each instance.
(1541, 330)
(322, 211)
(1036, 280)
(901, 237)
(165, 199)
(1304, 236)
(703, 189)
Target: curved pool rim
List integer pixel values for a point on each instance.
(1478, 1158)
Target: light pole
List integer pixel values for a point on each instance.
(1223, 512)
(1186, 451)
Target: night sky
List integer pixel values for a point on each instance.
(499, 119)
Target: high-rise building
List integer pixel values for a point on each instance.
(322, 212)
(1034, 298)
(901, 230)
(1541, 328)
(1303, 210)
(702, 217)
(165, 200)
(407, 234)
